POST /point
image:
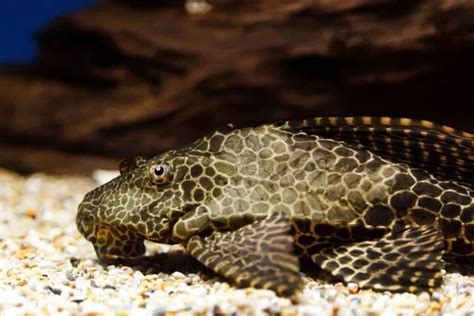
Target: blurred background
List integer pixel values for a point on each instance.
(22, 19)
(84, 83)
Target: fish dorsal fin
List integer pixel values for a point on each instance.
(441, 150)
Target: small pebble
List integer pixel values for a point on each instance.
(74, 261)
(353, 287)
(178, 275)
(53, 290)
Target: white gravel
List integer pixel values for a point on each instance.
(47, 268)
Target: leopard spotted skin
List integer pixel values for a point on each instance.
(333, 193)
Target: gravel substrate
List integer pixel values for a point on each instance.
(47, 268)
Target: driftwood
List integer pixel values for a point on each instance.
(124, 77)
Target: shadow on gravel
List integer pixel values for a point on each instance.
(168, 262)
(181, 261)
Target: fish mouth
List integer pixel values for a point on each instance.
(110, 242)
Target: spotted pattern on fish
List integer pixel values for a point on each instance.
(248, 202)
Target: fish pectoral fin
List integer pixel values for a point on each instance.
(258, 255)
(409, 260)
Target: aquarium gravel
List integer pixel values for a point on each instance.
(47, 268)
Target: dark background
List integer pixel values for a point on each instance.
(21, 19)
(139, 76)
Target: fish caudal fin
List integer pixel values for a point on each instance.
(405, 261)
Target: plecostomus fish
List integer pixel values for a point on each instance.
(382, 202)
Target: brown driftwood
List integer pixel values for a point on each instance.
(143, 76)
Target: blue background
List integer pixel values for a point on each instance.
(21, 19)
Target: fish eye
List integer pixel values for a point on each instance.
(160, 173)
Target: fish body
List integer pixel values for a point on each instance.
(249, 202)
